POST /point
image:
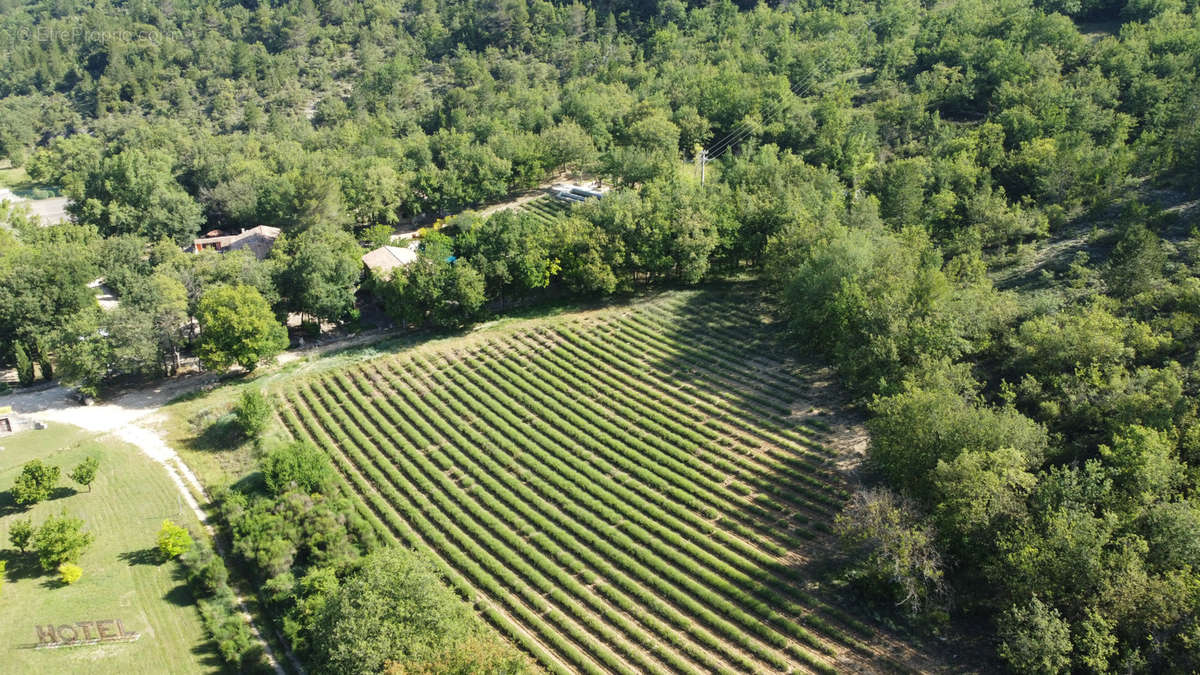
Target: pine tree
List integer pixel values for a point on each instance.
(43, 359)
(24, 364)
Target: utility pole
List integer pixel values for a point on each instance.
(703, 161)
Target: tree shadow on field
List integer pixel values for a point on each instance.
(62, 492)
(9, 505)
(251, 484)
(210, 658)
(180, 596)
(20, 565)
(206, 649)
(142, 556)
(781, 434)
(222, 434)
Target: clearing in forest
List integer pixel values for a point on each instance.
(631, 490)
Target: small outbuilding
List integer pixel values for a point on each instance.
(383, 260)
(569, 192)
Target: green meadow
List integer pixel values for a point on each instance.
(122, 580)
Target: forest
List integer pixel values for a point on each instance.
(983, 214)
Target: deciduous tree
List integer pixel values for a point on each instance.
(85, 472)
(36, 482)
(20, 534)
(319, 272)
(252, 413)
(173, 540)
(237, 326)
(396, 610)
(59, 540)
(1035, 639)
(894, 555)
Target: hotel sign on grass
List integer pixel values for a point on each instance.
(82, 633)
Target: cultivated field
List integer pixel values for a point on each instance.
(121, 579)
(632, 490)
(545, 208)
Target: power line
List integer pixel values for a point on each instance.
(792, 89)
(746, 128)
(808, 83)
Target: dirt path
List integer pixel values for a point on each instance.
(317, 349)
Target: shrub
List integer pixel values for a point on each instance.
(894, 554)
(213, 576)
(205, 571)
(208, 578)
(395, 611)
(173, 540)
(1036, 639)
(300, 465)
(227, 628)
(252, 413)
(3, 565)
(69, 573)
(21, 533)
(36, 482)
(377, 235)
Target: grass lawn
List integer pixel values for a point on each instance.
(121, 580)
(13, 177)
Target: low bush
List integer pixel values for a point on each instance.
(69, 573)
(229, 629)
(252, 413)
(173, 540)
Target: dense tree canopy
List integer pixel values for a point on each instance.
(395, 611)
(319, 272)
